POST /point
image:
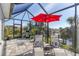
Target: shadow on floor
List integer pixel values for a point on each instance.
(28, 53)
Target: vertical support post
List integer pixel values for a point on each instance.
(75, 39)
(30, 30)
(58, 41)
(2, 43)
(30, 26)
(47, 32)
(36, 27)
(21, 29)
(13, 28)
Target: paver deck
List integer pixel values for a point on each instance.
(39, 51)
(17, 47)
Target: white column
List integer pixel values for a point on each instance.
(1, 38)
(1, 32)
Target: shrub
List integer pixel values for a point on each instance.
(64, 46)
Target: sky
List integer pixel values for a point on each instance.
(49, 7)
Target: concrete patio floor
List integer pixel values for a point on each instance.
(17, 47)
(25, 48)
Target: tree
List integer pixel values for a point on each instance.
(8, 31)
(70, 20)
(64, 34)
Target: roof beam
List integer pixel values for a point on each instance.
(20, 20)
(12, 17)
(64, 8)
(30, 13)
(23, 15)
(16, 15)
(42, 8)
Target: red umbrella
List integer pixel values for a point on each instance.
(46, 18)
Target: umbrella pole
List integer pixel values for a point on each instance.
(47, 32)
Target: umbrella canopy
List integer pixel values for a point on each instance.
(46, 18)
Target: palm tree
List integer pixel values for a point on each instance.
(71, 22)
(64, 32)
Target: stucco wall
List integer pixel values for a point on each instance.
(1, 32)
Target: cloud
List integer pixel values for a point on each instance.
(49, 6)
